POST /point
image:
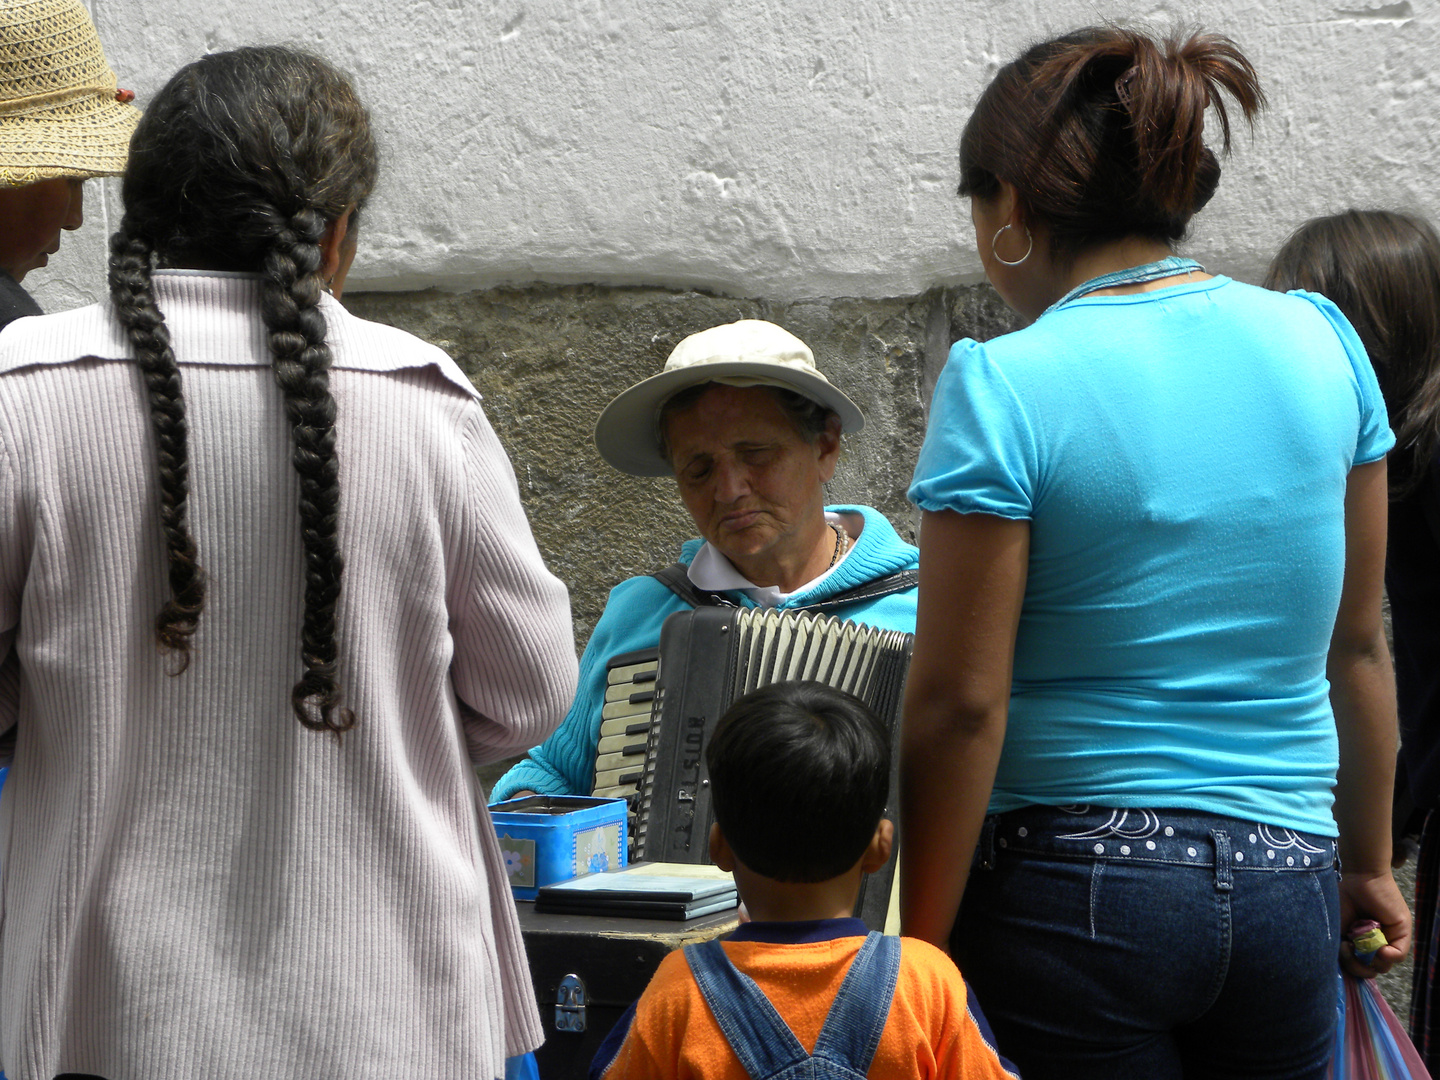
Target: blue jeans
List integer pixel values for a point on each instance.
(1152, 944)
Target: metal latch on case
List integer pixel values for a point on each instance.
(570, 1004)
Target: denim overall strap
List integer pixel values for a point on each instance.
(755, 1031)
(861, 1008)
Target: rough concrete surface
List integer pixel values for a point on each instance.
(548, 358)
(769, 148)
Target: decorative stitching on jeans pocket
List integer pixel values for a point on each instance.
(1314, 880)
(1097, 868)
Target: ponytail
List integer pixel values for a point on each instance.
(1101, 132)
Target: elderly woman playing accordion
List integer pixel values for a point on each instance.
(751, 430)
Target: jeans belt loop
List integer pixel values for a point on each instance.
(987, 842)
(1223, 882)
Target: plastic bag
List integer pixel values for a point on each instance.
(1370, 1041)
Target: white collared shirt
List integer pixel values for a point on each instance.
(713, 572)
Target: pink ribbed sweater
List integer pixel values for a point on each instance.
(194, 886)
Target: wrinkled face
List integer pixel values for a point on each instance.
(747, 476)
(31, 218)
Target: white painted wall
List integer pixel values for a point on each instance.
(784, 148)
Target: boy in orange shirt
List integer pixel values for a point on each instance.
(799, 775)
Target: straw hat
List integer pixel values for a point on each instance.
(745, 353)
(58, 110)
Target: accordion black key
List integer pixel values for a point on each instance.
(708, 658)
(625, 720)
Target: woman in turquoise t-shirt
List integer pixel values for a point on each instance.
(1149, 635)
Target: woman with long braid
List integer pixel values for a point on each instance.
(227, 506)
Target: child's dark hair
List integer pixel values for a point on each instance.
(799, 775)
(1382, 269)
(1101, 132)
(240, 163)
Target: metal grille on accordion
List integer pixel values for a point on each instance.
(709, 657)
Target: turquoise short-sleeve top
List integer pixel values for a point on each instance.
(1182, 457)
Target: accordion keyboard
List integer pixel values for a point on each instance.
(625, 725)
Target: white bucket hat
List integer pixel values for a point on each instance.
(750, 352)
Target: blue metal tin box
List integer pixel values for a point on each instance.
(550, 838)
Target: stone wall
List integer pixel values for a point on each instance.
(548, 358)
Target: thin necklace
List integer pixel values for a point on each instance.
(842, 544)
(1170, 266)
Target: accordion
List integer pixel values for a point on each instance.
(661, 706)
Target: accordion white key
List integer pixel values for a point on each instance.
(625, 720)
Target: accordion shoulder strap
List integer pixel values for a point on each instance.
(675, 577)
(870, 590)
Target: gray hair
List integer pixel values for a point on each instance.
(807, 416)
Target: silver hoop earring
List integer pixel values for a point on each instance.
(995, 246)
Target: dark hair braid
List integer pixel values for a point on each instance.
(130, 265)
(241, 163)
(302, 369)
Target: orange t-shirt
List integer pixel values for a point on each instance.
(931, 1031)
